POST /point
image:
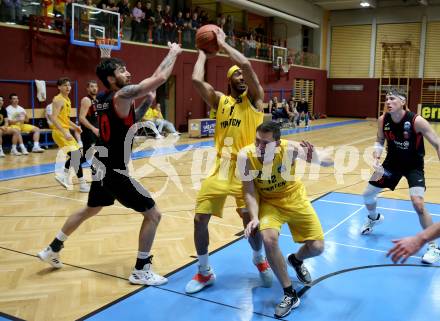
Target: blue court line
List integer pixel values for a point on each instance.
(42, 169)
(349, 278)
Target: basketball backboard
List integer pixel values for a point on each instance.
(90, 23)
(279, 56)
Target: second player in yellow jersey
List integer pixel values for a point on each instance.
(274, 196)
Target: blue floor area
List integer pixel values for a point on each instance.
(354, 281)
(159, 151)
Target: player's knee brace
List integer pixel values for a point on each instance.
(370, 194)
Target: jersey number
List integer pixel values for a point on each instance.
(232, 110)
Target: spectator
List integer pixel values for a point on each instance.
(228, 28)
(88, 117)
(168, 25)
(6, 130)
(180, 25)
(158, 25)
(252, 45)
(187, 30)
(303, 110)
(138, 16)
(204, 18)
(18, 118)
(13, 11)
(194, 25)
(281, 112)
(149, 21)
(154, 114)
(124, 11)
(221, 20)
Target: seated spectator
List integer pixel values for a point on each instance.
(154, 115)
(6, 130)
(281, 112)
(303, 109)
(187, 31)
(18, 118)
(49, 120)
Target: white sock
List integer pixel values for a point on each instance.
(22, 147)
(204, 261)
(36, 144)
(14, 147)
(1, 148)
(143, 255)
(258, 255)
(61, 236)
(373, 214)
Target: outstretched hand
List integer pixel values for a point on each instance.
(308, 149)
(404, 248)
(221, 37)
(174, 47)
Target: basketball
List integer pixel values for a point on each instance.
(206, 39)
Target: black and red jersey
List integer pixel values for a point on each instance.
(92, 114)
(405, 146)
(113, 131)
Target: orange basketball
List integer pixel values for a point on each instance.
(206, 39)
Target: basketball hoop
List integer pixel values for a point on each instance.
(285, 68)
(105, 45)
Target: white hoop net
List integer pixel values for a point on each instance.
(105, 46)
(285, 68)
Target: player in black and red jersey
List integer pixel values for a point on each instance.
(116, 115)
(404, 132)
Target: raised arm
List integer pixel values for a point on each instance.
(208, 93)
(255, 91)
(86, 103)
(125, 96)
(145, 104)
(422, 126)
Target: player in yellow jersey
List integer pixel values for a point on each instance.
(238, 115)
(274, 197)
(61, 135)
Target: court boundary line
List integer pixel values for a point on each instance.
(159, 151)
(10, 317)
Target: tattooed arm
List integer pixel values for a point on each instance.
(145, 104)
(125, 96)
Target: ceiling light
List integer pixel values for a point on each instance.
(365, 4)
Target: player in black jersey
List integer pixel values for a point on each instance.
(88, 117)
(404, 132)
(116, 116)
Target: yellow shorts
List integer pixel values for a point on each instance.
(295, 210)
(216, 187)
(63, 143)
(24, 128)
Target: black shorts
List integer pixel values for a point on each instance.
(392, 176)
(126, 190)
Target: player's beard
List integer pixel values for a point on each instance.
(121, 84)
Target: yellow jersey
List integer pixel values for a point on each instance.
(64, 114)
(236, 123)
(275, 178)
(152, 114)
